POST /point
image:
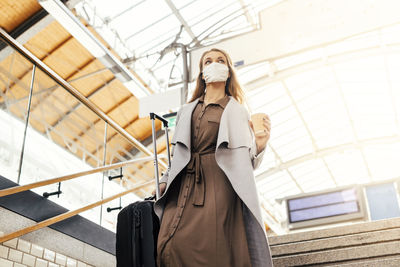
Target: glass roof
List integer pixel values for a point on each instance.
(334, 115)
(334, 109)
(140, 31)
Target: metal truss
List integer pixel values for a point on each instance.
(181, 20)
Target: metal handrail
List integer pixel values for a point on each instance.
(67, 215)
(21, 188)
(64, 84)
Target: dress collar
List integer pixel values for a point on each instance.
(222, 102)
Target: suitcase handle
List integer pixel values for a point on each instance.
(153, 117)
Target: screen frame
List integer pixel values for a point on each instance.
(361, 214)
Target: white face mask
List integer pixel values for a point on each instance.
(215, 72)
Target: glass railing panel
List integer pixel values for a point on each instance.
(15, 78)
(119, 149)
(63, 137)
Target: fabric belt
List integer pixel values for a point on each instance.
(194, 167)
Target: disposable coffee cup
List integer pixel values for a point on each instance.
(258, 123)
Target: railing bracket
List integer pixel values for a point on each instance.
(58, 192)
(116, 208)
(120, 175)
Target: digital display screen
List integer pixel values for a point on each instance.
(323, 205)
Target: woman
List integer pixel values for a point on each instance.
(209, 212)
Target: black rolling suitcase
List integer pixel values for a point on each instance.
(138, 225)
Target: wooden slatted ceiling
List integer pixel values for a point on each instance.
(56, 112)
(13, 12)
(14, 65)
(65, 102)
(115, 92)
(68, 59)
(46, 41)
(10, 69)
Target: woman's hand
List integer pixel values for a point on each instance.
(262, 139)
(162, 189)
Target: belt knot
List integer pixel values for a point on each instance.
(194, 167)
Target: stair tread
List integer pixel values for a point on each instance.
(387, 262)
(359, 239)
(336, 231)
(338, 255)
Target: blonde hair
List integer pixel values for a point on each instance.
(232, 86)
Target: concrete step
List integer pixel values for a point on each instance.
(341, 255)
(386, 262)
(335, 232)
(337, 242)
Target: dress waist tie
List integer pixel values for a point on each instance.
(193, 167)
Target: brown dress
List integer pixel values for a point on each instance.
(202, 223)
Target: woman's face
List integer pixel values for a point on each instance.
(214, 56)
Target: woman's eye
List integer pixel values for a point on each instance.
(221, 61)
(207, 62)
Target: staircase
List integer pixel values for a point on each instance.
(362, 244)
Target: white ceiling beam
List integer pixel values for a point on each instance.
(277, 157)
(294, 104)
(74, 26)
(181, 19)
(389, 83)
(33, 30)
(245, 8)
(330, 172)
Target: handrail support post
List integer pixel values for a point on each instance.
(26, 123)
